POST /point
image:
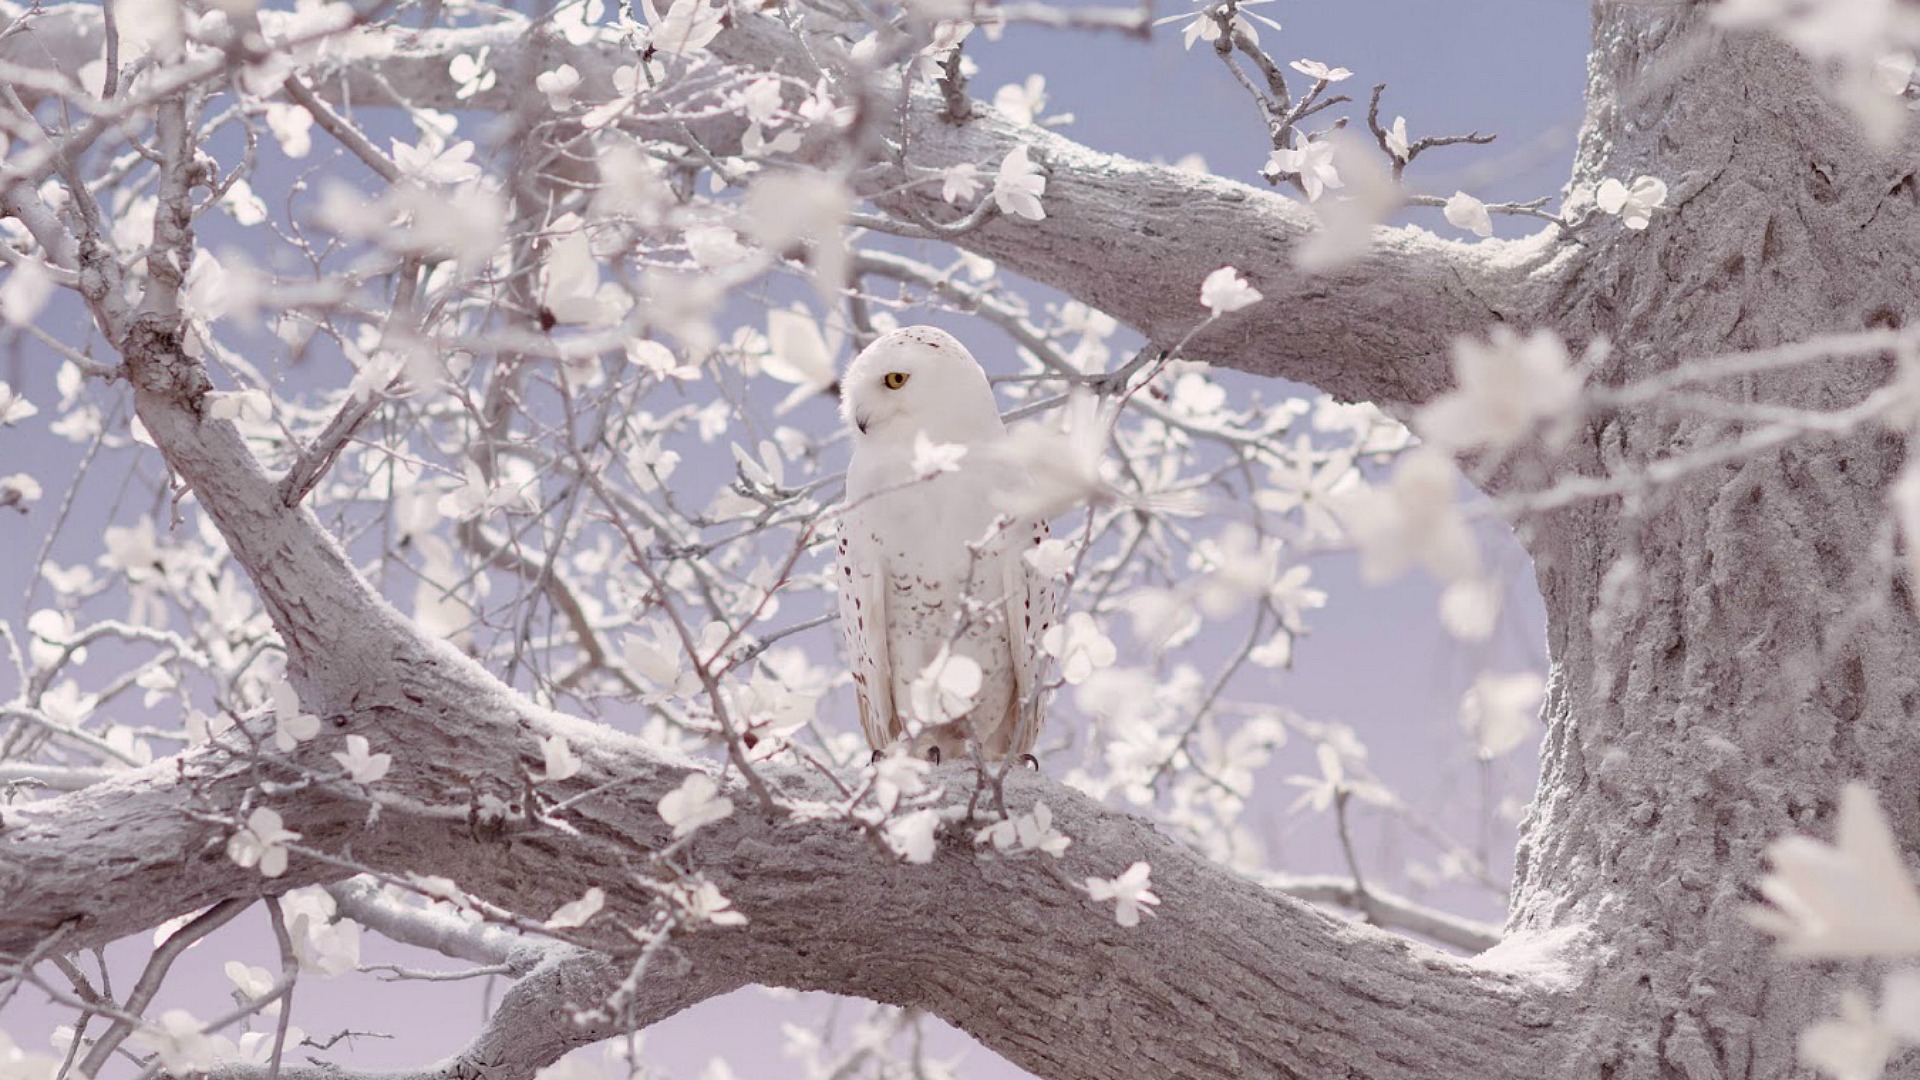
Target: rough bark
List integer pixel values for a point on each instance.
(1729, 648)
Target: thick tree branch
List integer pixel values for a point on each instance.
(959, 937)
(1130, 238)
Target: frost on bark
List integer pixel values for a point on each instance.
(1729, 645)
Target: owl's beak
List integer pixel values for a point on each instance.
(860, 421)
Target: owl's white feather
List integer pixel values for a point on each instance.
(927, 563)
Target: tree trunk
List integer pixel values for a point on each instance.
(1731, 646)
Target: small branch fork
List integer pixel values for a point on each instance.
(1533, 208)
(1283, 115)
(1278, 109)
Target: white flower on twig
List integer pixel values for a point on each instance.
(1225, 290)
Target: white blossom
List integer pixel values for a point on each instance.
(1060, 459)
(1240, 565)
(1414, 519)
(960, 182)
(558, 85)
(1031, 831)
(1314, 69)
(1225, 290)
(19, 490)
(575, 913)
(802, 206)
(25, 291)
(945, 689)
(800, 351)
(1893, 72)
(932, 458)
(14, 406)
(1852, 1046)
(557, 753)
(1370, 194)
(292, 128)
(714, 247)
(1052, 558)
(262, 842)
(362, 765)
(292, 725)
(1853, 898)
(1308, 483)
(1464, 211)
(1022, 102)
(1203, 26)
(1470, 608)
(913, 836)
(250, 984)
(151, 26)
(1129, 892)
(181, 1042)
(1291, 597)
(1499, 712)
(324, 947)
(471, 73)
(1503, 389)
(1313, 162)
(761, 101)
(1079, 645)
(1321, 792)
(1900, 1004)
(434, 161)
(256, 1047)
(689, 26)
(1018, 185)
(252, 406)
(701, 901)
(696, 802)
(1396, 139)
(896, 776)
(1635, 204)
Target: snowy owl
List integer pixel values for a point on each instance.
(934, 589)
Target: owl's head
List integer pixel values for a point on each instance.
(918, 379)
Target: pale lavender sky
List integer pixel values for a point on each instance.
(1375, 658)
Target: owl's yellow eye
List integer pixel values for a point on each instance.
(894, 380)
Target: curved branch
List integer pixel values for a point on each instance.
(1135, 240)
(960, 937)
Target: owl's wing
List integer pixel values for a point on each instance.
(861, 574)
(1033, 606)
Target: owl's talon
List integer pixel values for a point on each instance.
(1030, 762)
(877, 755)
(933, 754)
